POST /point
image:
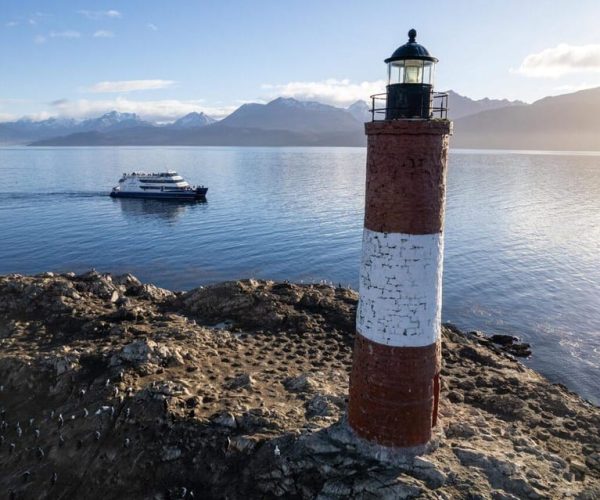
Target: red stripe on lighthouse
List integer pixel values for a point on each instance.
(394, 392)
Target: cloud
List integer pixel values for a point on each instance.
(59, 102)
(65, 34)
(163, 110)
(11, 24)
(561, 60)
(331, 91)
(100, 14)
(130, 86)
(103, 34)
(37, 117)
(152, 27)
(7, 117)
(39, 39)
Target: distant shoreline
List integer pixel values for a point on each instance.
(554, 152)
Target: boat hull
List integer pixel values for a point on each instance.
(198, 194)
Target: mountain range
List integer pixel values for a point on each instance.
(568, 122)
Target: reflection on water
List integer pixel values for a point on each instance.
(522, 231)
(169, 210)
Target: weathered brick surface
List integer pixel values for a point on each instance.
(394, 392)
(406, 176)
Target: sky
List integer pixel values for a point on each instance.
(165, 58)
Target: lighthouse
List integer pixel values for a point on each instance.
(395, 378)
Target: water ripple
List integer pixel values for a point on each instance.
(522, 231)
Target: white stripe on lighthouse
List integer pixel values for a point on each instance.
(400, 288)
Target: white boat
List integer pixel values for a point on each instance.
(162, 185)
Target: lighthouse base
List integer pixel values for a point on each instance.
(394, 393)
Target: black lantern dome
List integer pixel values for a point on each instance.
(411, 50)
(410, 81)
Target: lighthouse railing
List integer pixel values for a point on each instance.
(438, 107)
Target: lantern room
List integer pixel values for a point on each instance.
(410, 81)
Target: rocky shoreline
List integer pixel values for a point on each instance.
(110, 388)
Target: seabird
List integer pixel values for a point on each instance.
(107, 383)
(52, 414)
(85, 413)
(277, 451)
(82, 393)
(26, 476)
(116, 391)
(61, 420)
(54, 478)
(11, 448)
(19, 430)
(61, 440)
(37, 433)
(39, 453)
(127, 441)
(97, 435)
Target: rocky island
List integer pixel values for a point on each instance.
(110, 388)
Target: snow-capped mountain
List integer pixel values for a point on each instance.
(360, 110)
(293, 115)
(49, 124)
(193, 120)
(113, 120)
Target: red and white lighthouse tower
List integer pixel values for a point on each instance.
(394, 385)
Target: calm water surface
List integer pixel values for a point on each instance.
(522, 231)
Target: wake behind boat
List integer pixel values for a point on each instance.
(163, 185)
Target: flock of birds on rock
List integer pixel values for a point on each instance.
(60, 422)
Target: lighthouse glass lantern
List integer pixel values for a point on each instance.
(410, 81)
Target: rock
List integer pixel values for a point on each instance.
(168, 388)
(225, 419)
(127, 280)
(460, 430)
(242, 444)
(256, 410)
(138, 352)
(240, 382)
(512, 345)
(429, 472)
(171, 453)
(456, 397)
(503, 339)
(322, 406)
(301, 383)
(257, 419)
(578, 469)
(63, 364)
